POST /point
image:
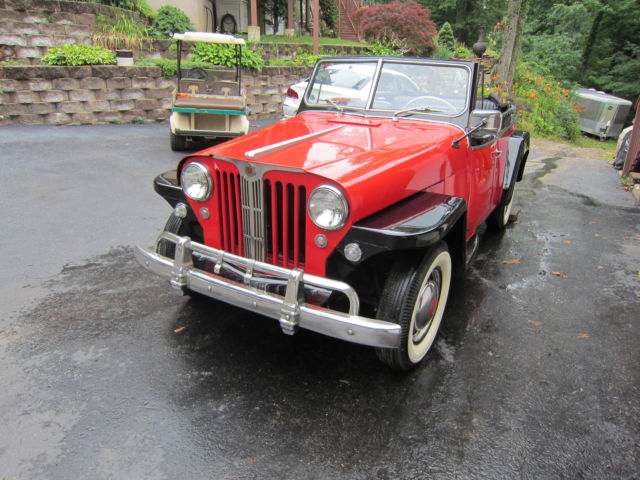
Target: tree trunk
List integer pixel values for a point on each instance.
(512, 35)
(462, 6)
(591, 40)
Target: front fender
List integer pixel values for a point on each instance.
(414, 223)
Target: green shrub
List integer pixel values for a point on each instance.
(442, 52)
(170, 20)
(225, 55)
(170, 67)
(384, 48)
(446, 38)
(79, 54)
(463, 52)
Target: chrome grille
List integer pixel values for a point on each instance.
(253, 231)
(261, 219)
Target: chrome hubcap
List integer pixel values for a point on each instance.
(426, 306)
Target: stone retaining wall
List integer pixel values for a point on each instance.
(110, 94)
(30, 27)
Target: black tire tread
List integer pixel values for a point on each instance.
(178, 143)
(397, 303)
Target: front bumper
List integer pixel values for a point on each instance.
(250, 293)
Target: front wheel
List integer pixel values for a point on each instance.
(415, 296)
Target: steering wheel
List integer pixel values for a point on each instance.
(197, 73)
(423, 101)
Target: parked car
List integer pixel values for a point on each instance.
(353, 218)
(344, 83)
(208, 103)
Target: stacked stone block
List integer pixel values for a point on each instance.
(54, 95)
(31, 27)
(83, 95)
(265, 91)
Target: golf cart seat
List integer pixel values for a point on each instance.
(210, 102)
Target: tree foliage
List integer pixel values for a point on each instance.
(466, 17)
(275, 11)
(405, 20)
(329, 17)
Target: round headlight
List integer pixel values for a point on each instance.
(328, 207)
(196, 182)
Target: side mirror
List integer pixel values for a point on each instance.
(491, 121)
(484, 127)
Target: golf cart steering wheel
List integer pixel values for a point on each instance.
(424, 101)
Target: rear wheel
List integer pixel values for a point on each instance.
(499, 218)
(178, 142)
(415, 296)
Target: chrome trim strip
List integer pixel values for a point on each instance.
(290, 310)
(262, 151)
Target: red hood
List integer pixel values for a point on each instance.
(355, 152)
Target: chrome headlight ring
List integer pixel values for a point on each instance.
(328, 207)
(196, 182)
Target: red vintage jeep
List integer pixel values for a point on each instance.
(352, 218)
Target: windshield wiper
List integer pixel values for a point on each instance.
(339, 107)
(411, 111)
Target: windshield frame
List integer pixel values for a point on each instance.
(459, 117)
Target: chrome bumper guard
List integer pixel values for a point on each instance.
(290, 310)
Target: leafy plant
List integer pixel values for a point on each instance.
(545, 107)
(407, 20)
(170, 20)
(225, 55)
(79, 54)
(121, 31)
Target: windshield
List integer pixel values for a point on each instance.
(437, 89)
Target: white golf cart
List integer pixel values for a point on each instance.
(208, 103)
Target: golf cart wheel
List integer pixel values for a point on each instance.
(178, 142)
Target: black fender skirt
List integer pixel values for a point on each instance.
(166, 185)
(523, 139)
(414, 223)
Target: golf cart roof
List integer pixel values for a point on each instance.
(208, 37)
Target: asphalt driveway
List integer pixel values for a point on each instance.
(107, 373)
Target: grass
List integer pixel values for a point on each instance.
(307, 40)
(585, 141)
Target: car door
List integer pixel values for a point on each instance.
(482, 171)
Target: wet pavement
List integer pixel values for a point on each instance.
(107, 373)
